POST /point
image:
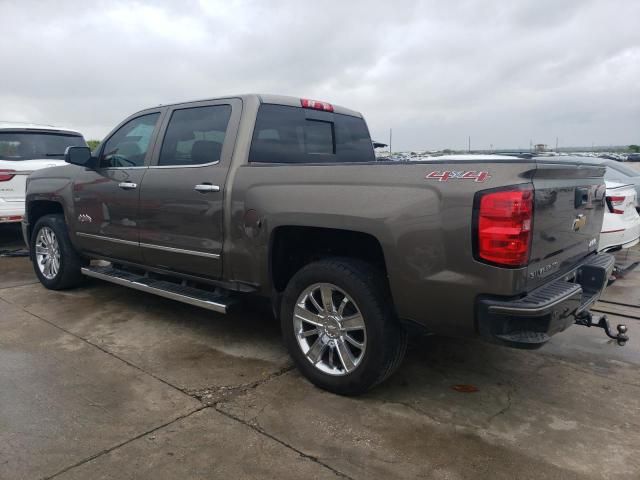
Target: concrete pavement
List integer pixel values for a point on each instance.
(105, 382)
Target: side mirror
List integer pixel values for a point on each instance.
(78, 156)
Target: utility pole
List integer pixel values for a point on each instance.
(390, 137)
(469, 143)
(556, 144)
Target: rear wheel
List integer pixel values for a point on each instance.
(54, 259)
(339, 327)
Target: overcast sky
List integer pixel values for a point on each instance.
(503, 72)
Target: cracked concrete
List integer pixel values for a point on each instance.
(104, 382)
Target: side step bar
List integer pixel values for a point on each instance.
(182, 293)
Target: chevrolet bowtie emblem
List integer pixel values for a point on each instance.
(579, 222)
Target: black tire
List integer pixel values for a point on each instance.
(386, 340)
(68, 274)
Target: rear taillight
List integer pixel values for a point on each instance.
(613, 202)
(316, 105)
(503, 227)
(6, 175)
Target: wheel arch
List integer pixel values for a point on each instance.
(37, 209)
(291, 247)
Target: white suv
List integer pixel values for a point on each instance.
(25, 148)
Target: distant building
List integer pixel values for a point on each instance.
(540, 147)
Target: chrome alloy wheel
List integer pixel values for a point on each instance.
(48, 253)
(330, 329)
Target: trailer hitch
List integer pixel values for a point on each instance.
(587, 319)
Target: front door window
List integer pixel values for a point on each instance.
(128, 146)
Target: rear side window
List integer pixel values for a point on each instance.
(195, 136)
(296, 135)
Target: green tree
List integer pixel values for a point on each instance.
(93, 144)
(634, 148)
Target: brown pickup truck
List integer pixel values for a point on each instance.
(220, 201)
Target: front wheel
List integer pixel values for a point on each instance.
(55, 261)
(338, 325)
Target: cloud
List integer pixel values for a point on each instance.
(504, 73)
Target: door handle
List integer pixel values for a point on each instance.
(206, 187)
(128, 185)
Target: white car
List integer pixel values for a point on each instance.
(25, 148)
(621, 224)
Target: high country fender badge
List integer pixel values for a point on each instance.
(84, 218)
(445, 176)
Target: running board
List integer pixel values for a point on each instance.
(174, 291)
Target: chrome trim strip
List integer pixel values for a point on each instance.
(109, 239)
(150, 245)
(209, 305)
(122, 168)
(185, 166)
(180, 250)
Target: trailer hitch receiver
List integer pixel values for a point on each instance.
(587, 319)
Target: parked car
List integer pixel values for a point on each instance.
(25, 148)
(219, 201)
(621, 224)
(616, 171)
(620, 173)
(633, 157)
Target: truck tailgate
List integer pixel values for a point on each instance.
(569, 207)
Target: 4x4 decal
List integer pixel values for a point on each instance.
(447, 175)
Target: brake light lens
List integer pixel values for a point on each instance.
(6, 175)
(504, 220)
(613, 202)
(316, 105)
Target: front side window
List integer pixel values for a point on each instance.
(16, 146)
(285, 134)
(195, 136)
(128, 146)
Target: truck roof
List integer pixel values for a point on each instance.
(267, 98)
(35, 126)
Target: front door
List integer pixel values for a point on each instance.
(181, 200)
(106, 198)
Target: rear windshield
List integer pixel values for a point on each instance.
(36, 145)
(625, 170)
(297, 135)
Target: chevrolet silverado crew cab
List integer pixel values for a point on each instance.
(219, 201)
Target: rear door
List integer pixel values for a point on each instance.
(106, 198)
(569, 207)
(181, 200)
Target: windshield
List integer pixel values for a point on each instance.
(36, 145)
